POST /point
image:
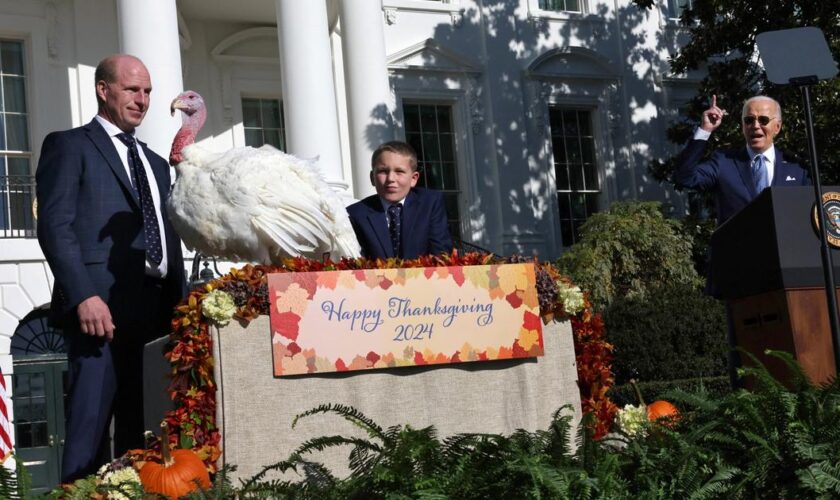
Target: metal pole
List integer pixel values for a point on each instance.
(828, 265)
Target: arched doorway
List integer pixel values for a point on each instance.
(39, 382)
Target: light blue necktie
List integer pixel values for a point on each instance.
(759, 172)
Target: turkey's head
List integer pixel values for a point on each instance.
(193, 114)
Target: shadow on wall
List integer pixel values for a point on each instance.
(513, 170)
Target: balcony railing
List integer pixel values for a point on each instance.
(17, 206)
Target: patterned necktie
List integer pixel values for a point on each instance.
(759, 171)
(151, 230)
(394, 222)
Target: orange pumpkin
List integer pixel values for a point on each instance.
(181, 472)
(658, 409)
(662, 410)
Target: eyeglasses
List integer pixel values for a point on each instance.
(762, 120)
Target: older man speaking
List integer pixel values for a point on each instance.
(739, 175)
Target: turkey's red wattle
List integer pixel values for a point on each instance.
(183, 138)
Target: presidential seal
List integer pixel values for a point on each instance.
(831, 205)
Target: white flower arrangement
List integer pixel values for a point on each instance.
(218, 306)
(124, 478)
(571, 296)
(632, 420)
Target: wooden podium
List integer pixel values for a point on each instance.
(766, 264)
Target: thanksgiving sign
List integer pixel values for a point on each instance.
(383, 318)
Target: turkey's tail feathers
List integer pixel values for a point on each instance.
(293, 229)
(346, 245)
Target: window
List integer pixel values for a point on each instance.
(16, 182)
(676, 7)
(263, 123)
(428, 128)
(561, 5)
(30, 410)
(575, 169)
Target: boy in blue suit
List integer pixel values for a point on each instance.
(400, 220)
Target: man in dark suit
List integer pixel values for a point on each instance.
(400, 220)
(737, 176)
(116, 260)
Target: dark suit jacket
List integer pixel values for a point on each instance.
(728, 173)
(91, 229)
(424, 227)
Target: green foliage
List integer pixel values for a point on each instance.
(14, 484)
(779, 436)
(675, 332)
(627, 251)
(92, 487)
(771, 443)
(722, 40)
(699, 231)
(403, 462)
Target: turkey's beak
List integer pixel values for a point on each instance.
(177, 103)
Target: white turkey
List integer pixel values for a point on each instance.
(252, 204)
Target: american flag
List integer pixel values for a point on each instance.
(5, 425)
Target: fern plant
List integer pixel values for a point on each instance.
(14, 484)
(405, 462)
(780, 441)
(777, 438)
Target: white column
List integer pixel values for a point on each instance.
(149, 30)
(309, 103)
(369, 101)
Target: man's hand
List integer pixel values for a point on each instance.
(95, 318)
(712, 116)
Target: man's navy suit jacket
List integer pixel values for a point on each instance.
(729, 173)
(91, 229)
(424, 226)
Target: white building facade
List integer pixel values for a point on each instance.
(528, 114)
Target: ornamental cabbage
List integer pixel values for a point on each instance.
(632, 420)
(571, 296)
(125, 479)
(218, 306)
